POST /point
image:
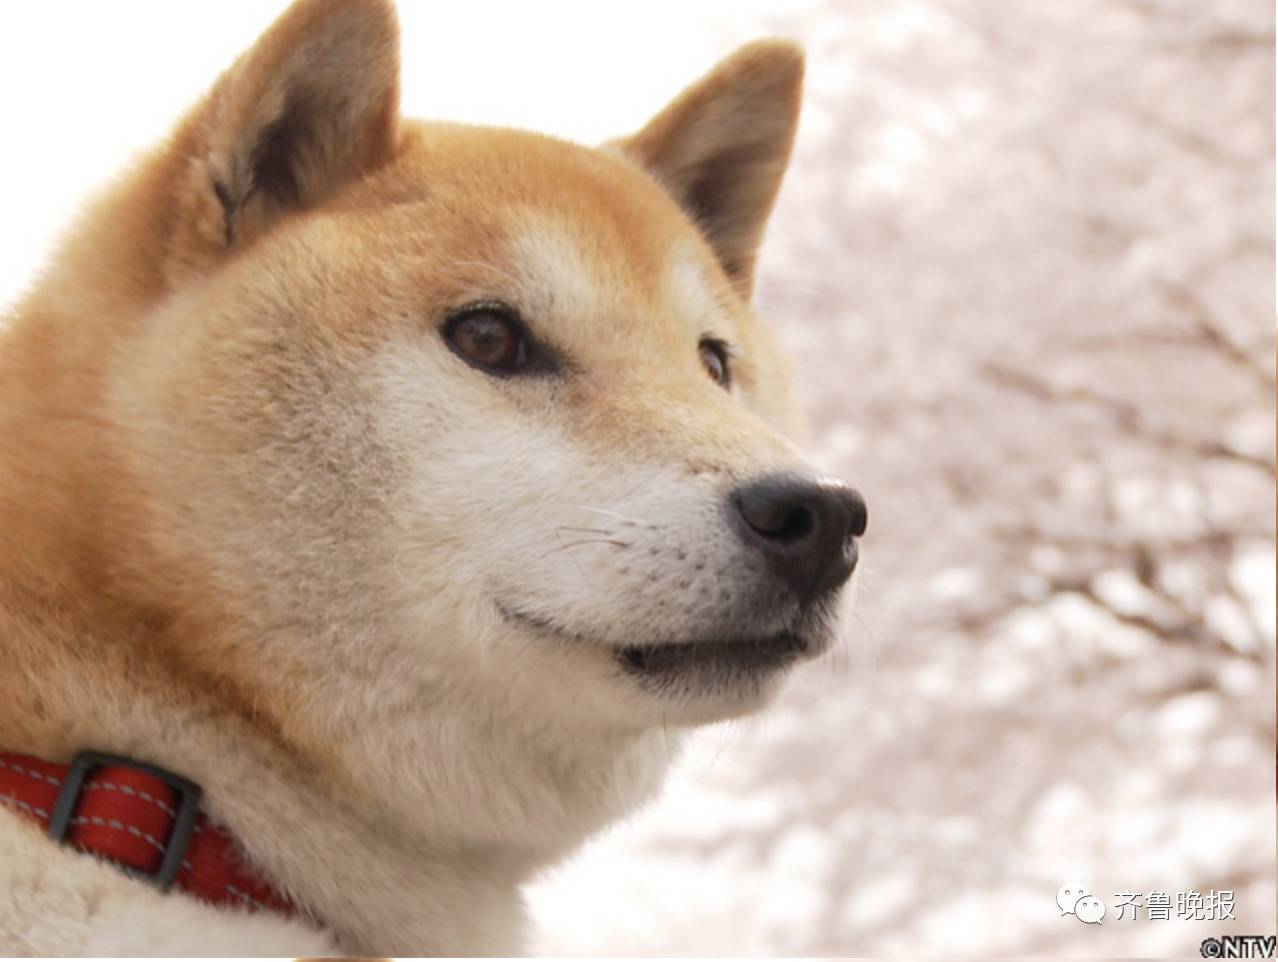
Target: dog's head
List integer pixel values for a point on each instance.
(459, 402)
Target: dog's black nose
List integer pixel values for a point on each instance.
(806, 527)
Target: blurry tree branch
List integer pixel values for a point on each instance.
(1125, 415)
(1214, 336)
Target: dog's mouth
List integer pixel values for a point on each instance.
(724, 655)
(715, 657)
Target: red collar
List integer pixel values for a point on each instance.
(142, 818)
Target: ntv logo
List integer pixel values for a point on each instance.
(1239, 947)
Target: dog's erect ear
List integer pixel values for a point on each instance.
(313, 105)
(722, 146)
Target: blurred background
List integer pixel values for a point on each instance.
(1025, 262)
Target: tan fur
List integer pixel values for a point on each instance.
(253, 513)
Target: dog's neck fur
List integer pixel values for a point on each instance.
(408, 849)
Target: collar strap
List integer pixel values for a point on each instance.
(143, 819)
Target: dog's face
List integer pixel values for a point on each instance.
(481, 409)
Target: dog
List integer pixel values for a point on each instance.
(380, 498)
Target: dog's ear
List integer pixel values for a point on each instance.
(722, 147)
(313, 105)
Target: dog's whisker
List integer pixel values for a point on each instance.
(565, 527)
(618, 515)
(585, 541)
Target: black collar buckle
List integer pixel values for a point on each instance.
(188, 809)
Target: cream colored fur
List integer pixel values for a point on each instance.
(60, 903)
(258, 525)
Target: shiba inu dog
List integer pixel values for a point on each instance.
(382, 495)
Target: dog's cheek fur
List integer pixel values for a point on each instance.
(246, 421)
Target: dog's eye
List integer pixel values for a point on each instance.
(714, 355)
(490, 338)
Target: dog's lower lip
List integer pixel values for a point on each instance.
(772, 651)
(729, 653)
